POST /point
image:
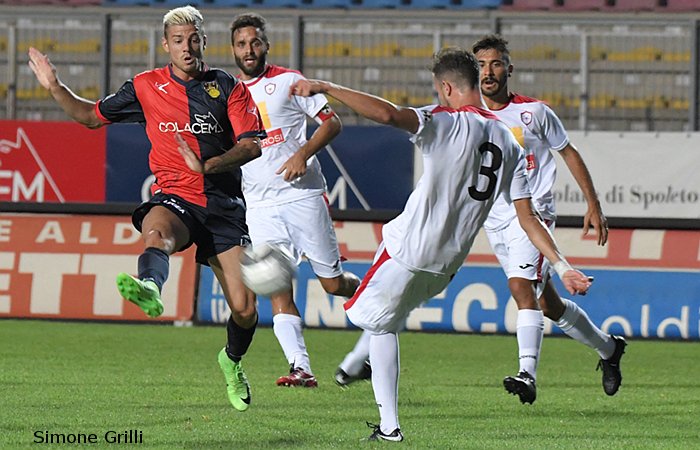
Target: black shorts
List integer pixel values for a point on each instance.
(214, 229)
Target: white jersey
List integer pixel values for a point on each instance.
(469, 158)
(538, 130)
(284, 119)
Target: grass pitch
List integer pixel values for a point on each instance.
(164, 382)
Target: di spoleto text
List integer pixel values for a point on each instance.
(107, 437)
(633, 195)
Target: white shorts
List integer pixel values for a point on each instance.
(389, 292)
(518, 256)
(304, 227)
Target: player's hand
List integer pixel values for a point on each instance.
(43, 69)
(307, 88)
(576, 282)
(191, 159)
(595, 218)
(294, 168)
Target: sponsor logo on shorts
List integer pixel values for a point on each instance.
(525, 266)
(174, 204)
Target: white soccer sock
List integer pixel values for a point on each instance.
(384, 354)
(577, 325)
(287, 328)
(529, 331)
(355, 360)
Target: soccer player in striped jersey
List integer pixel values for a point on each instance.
(470, 158)
(205, 111)
(284, 189)
(538, 129)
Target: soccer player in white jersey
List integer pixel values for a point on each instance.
(469, 159)
(541, 134)
(285, 189)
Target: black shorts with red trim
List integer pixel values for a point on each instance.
(214, 229)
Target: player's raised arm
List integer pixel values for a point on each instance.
(594, 215)
(79, 109)
(370, 106)
(574, 281)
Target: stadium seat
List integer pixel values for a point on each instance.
(331, 4)
(480, 4)
(381, 4)
(635, 5)
(678, 5)
(280, 3)
(526, 5)
(83, 2)
(427, 4)
(587, 5)
(448, 4)
(232, 3)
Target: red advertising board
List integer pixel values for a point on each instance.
(51, 162)
(64, 267)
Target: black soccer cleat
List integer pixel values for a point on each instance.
(343, 379)
(522, 385)
(378, 435)
(612, 376)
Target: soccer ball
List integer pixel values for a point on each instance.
(268, 269)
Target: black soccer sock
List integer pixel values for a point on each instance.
(239, 339)
(154, 264)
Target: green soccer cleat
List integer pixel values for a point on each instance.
(237, 385)
(144, 294)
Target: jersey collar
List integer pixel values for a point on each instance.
(254, 81)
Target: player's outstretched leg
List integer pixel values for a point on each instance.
(237, 386)
(297, 377)
(144, 294)
(612, 375)
(522, 385)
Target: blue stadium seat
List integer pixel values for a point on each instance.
(480, 4)
(280, 3)
(381, 4)
(427, 4)
(330, 4)
(232, 3)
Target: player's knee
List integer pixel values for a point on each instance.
(523, 293)
(343, 285)
(245, 316)
(158, 239)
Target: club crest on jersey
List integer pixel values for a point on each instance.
(526, 117)
(212, 89)
(270, 88)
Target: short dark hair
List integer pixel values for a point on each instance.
(495, 42)
(250, 20)
(457, 61)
